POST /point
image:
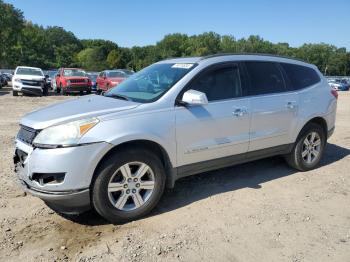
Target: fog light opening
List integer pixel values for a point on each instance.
(48, 178)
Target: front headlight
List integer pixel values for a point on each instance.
(68, 82)
(17, 80)
(65, 134)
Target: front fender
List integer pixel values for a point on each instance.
(157, 127)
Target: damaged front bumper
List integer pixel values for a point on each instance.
(61, 177)
(70, 202)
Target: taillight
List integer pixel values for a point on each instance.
(334, 93)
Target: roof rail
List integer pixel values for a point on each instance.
(258, 54)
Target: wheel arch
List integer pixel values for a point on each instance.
(316, 120)
(150, 145)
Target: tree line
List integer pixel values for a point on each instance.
(25, 43)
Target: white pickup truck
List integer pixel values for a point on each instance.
(29, 80)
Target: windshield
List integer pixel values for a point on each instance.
(127, 72)
(150, 83)
(93, 77)
(73, 72)
(29, 71)
(115, 74)
(52, 74)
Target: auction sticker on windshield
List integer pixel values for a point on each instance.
(184, 66)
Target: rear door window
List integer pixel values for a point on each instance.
(300, 76)
(265, 78)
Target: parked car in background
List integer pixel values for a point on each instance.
(116, 153)
(345, 82)
(29, 80)
(339, 86)
(52, 75)
(110, 78)
(72, 80)
(93, 77)
(3, 81)
(9, 76)
(127, 71)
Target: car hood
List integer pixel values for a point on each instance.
(29, 77)
(80, 108)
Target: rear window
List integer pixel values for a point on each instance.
(265, 78)
(300, 76)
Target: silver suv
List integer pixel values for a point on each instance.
(116, 153)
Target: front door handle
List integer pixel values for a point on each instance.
(239, 112)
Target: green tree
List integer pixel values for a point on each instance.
(228, 44)
(63, 47)
(173, 45)
(203, 44)
(113, 59)
(92, 59)
(11, 24)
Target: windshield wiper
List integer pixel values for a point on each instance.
(118, 97)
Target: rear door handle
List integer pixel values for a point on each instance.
(291, 105)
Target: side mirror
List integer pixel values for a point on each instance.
(194, 97)
(47, 76)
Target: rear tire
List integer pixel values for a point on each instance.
(150, 186)
(308, 148)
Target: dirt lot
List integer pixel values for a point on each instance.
(261, 211)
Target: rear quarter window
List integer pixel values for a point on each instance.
(300, 76)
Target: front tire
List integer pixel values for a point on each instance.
(128, 185)
(45, 91)
(63, 91)
(308, 149)
(14, 93)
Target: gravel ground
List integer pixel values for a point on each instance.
(260, 211)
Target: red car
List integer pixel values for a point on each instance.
(109, 78)
(72, 80)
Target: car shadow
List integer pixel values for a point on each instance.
(249, 175)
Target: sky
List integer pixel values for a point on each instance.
(138, 22)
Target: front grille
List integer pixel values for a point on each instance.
(27, 134)
(77, 81)
(31, 82)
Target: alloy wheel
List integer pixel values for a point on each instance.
(311, 147)
(131, 186)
